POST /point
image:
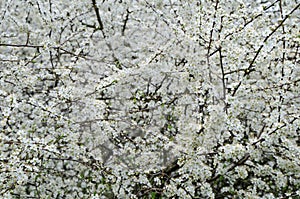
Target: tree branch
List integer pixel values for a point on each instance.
(267, 37)
(97, 14)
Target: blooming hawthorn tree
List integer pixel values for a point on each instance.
(149, 99)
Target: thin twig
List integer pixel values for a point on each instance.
(97, 14)
(223, 74)
(267, 38)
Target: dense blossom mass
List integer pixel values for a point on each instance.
(149, 99)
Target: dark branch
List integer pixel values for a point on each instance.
(21, 45)
(125, 22)
(97, 14)
(267, 37)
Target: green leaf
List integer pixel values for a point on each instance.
(153, 195)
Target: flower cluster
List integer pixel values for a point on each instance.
(149, 99)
